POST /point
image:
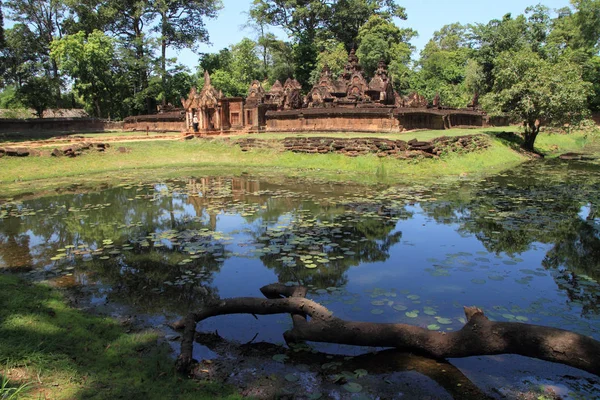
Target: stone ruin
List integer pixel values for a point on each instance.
(346, 103)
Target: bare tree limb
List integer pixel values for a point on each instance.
(479, 336)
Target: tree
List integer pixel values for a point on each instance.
(38, 93)
(379, 39)
(443, 66)
(283, 66)
(479, 336)
(46, 18)
(21, 57)
(535, 91)
(348, 16)
(181, 25)
(90, 61)
(334, 55)
(234, 70)
(1, 27)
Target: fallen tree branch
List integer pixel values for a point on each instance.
(478, 337)
(380, 363)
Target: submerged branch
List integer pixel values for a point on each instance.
(479, 336)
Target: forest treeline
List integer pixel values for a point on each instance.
(110, 56)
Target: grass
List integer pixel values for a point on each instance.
(50, 350)
(218, 156)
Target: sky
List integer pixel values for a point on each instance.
(424, 16)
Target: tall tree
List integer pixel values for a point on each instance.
(347, 17)
(242, 67)
(537, 92)
(381, 39)
(38, 93)
(1, 27)
(21, 59)
(181, 25)
(333, 54)
(443, 66)
(91, 61)
(45, 18)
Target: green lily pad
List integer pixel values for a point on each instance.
(292, 378)
(433, 327)
(377, 311)
(412, 314)
(352, 387)
(280, 357)
(360, 372)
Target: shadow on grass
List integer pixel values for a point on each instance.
(64, 353)
(512, 140)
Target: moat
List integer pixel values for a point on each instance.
(523, 245)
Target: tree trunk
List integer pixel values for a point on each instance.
(142, 73)
(532, 129)
(163, 60)
(478, 337)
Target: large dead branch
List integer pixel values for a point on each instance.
(479, 336)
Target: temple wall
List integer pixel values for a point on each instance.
(338, 120)
(54, 125)
(155, 123)
(421, 120)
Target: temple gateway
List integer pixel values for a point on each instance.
(348, 103)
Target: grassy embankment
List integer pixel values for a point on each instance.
(58, 352)
(157, 159)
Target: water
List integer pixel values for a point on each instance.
(524, 246)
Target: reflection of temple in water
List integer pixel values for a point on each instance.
(218, 191)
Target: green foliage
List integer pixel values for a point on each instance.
(9, 98)
(331, 53)
(348, 16)
(379, 39)
(91, 62)
(305, 58)
(1, 27)
(38, 93)
(536, 91)
(21, 59)
(443, 67)
(233, 70)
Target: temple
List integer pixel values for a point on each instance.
(346, 103)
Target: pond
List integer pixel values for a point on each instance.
(523, 246)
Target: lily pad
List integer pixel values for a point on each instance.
(280, 357)
(353, 387)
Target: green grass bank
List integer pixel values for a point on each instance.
(219, 156)
(49, 350)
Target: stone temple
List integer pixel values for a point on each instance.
(348, 103)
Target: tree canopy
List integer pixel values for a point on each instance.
(536, 91)
(458, 61)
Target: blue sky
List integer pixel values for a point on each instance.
(424, 16)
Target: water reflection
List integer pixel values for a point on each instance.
(412, 254)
